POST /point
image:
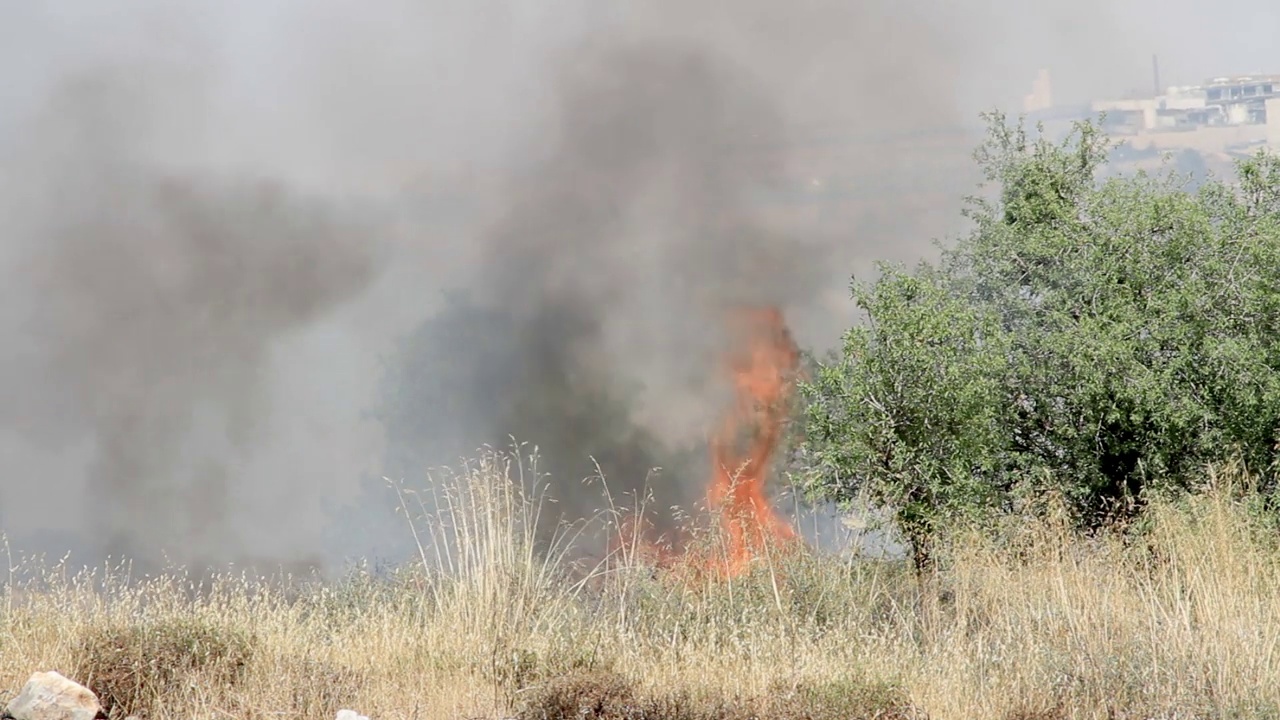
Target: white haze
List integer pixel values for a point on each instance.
(218, 217)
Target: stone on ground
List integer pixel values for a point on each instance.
(50, 696)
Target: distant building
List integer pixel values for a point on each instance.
(1041, 96)
(1273, 123)
(1242, 99)
(1129, 115)
(1225, 101)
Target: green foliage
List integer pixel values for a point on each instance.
(1107, 337)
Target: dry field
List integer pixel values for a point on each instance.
(1179, 618)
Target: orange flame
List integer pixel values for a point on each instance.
(762, 363)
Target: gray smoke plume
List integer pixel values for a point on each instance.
(217, 220)
(686, 145)
(153, 297)
(602, 294)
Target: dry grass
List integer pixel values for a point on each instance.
(1178, 620)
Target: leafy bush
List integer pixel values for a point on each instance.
(1102, 338)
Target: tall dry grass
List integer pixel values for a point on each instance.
(1176, 618)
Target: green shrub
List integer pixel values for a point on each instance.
(1101, 339)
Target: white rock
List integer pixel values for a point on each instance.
(350, 715)
(50, 696)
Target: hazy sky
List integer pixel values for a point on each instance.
(217, 217)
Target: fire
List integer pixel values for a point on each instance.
(761, 362)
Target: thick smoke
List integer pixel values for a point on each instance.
(603, 293)
(624, 249)
(218, 219)
(153, 297)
